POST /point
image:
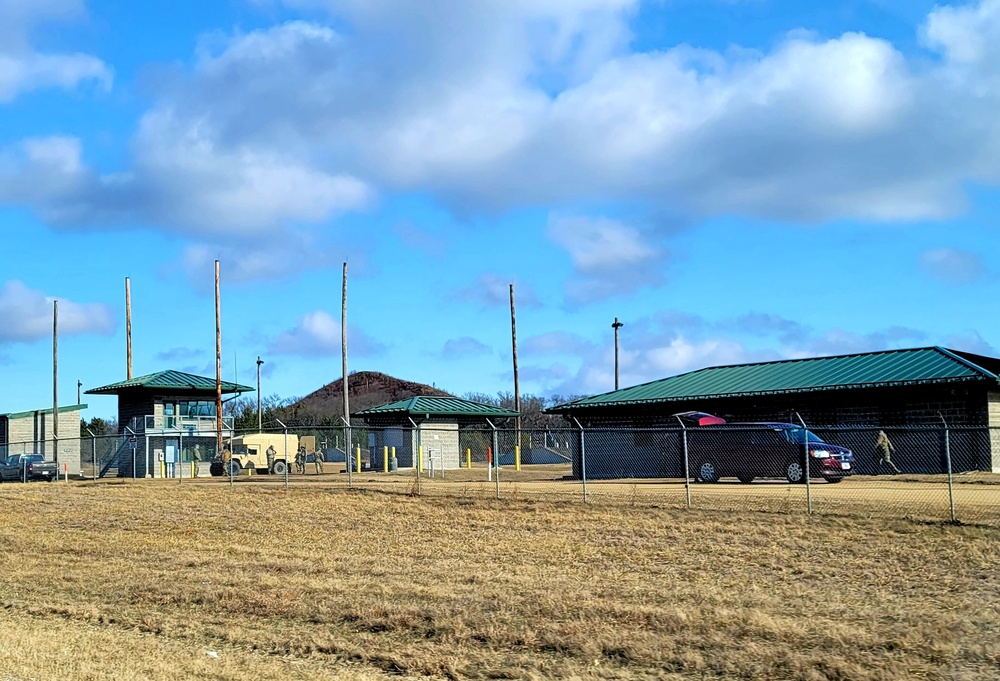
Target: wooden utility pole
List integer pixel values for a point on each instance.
(128, 328)
(260, 428)
(55, 381)
(218, 363)
(348, 441)
(343, 348)
(617, 325)
(517, 389)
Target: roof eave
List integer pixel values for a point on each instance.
(571, 407)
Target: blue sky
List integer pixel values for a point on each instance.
(736, 180)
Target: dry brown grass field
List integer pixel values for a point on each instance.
(164, 581)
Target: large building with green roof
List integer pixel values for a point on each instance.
(903, 391)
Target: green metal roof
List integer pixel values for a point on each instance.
(874, 369)
(169, 380)
(25, 414)
(437, 406)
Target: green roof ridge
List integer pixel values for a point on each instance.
(903, 366)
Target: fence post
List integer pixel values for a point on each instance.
(687, 476)
(805, 438)
(583, 458)
(285, 428)
(947, 458)
(496, 458)
(348, 441)
(93, 451)
(416, 453)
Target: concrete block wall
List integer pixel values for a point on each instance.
(993, 416)
(442, 439)
(34, 433)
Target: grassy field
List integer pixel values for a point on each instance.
(165, 581)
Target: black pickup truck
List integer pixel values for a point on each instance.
(24, 467)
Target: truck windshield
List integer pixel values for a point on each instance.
(798, 435)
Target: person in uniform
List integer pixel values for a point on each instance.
(270, 453)
(317, 460)
(885, 449)
(300, 461)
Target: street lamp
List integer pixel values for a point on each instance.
(617, 325)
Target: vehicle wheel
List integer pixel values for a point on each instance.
(833, 479)
(795, 472)
(279, 468)
(745, 479)
(233, 468)
(216, 469)
(707, 472)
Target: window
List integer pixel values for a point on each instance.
(200, 408)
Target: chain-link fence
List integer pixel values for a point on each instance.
(924, 472)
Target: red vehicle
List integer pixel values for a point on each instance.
(764, 450)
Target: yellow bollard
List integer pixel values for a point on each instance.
(420, 459)
(517, 457)
(357, 459)
(468, 458)
(163, 469)
(385, 459)
(194, 471)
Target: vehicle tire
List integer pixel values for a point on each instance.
(708, 472)
(233, 468)
(833, 479)
(795, 473)
(745, 479)
(216, 469)
(279, 468)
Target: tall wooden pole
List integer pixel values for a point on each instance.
(128, 327)
(55, 381)
(343, 345)
(218, 363)
(348, 445)
(260, 427)
(517, 388)
(617, 325)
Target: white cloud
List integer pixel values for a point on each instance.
(952, 265)
(496, 104)
(492, 290)
(609, 257)
(23, 68)
(26, 315)
(466, 346)
(317, 334)
(279, 254)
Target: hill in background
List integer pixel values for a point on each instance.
(366, 389)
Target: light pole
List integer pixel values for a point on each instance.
(259, 422)
(617, 325)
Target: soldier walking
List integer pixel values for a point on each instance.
(317, 460)
(885, 449)
(270, 453)
(300, 461)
